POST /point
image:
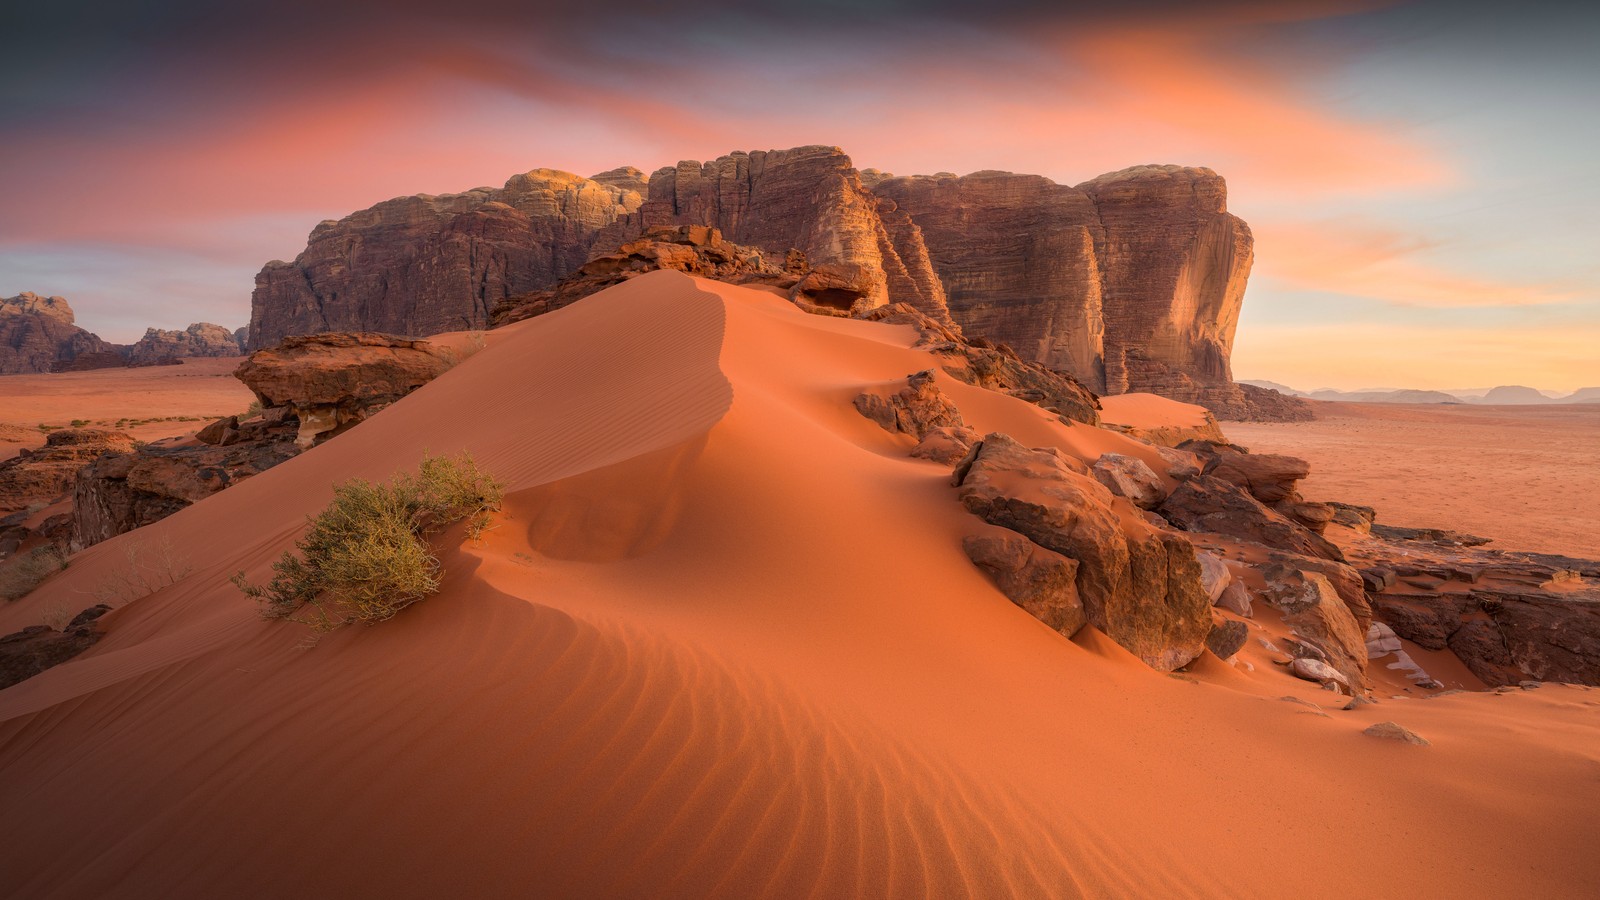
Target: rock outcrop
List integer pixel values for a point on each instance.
(1129, 282)
(30, 651)
(428, 264)
(201, 339)
(1139, 585)
(40, 334)
(329, 382)
(39, 477)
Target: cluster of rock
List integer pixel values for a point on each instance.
(1130, 282)
(1509, 616)
(33, 480)
(40, 334)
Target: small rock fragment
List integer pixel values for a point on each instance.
(1393, 732)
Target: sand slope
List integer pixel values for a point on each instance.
(724, 642)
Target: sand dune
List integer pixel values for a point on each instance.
(723, 642)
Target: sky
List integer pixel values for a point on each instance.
(1420, 177)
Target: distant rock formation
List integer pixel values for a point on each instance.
(1130, 282)
(40, 334)
(201, 339)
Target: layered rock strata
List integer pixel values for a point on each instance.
(1130, 282)
(40, 334)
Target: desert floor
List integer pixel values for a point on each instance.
(165, 401)
(1523, 475)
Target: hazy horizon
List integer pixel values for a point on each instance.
(1416, 175)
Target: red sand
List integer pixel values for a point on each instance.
(1526, 476)
(724, 643)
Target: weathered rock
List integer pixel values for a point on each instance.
(945, 445)
(1235, 598)
(39, 477)
(330, 382)
(201, 339)
(1130, 477)
(1214, 575)
(1040, 581)
(1209, 504)
(1226, 638)
(1393, 732)
(1319, 617)
(38, 334)
(916, 409)
(28, 652)
(1142, 589)
(1351, 516)
(1318, 671)
(692, 249)
(1181, 465)
(427, 264)
(1131, 281)
(222, 431)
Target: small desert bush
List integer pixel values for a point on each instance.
(366, 556)
(22, 573)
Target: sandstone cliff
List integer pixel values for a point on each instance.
(1132, 281)
(201, 339)
(38, 334)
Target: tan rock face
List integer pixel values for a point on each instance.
(1132, 281)
(41, 476)
(1140, 586)
(332, 381)
(201, 339)
(38, 334)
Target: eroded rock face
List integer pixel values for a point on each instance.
(39, 477)
(916, 409)
(1042, 582)
(428, 264)
(332, 381)
(1141, 587)
(39, 334)
(1210, 504)
(201, 339)
(1129, 282)
(1321, 619)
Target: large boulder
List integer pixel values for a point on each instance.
(1138, 585)
(1319, 618)
(1042, 582)
(1131, 478)
(332, 381)
(1210, 504)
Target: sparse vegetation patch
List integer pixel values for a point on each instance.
(366, 556)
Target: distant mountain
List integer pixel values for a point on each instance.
(1399, 396)
(1582, 395)
(1514, 395)
(1274, 386)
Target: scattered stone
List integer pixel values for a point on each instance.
(1318, 671)
(1227, 638)
(1130, 477)
(1393, 732)
(1531, 685)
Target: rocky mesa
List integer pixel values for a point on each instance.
(1132, 281)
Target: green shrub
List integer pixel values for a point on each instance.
(366, 556)
(22, 573)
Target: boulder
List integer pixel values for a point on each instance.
(1235, 598)
(1227, 638)
(1319, 618)
(1132, 478)
(330, 382)
(26, 653)
(1210, 504)
(1042, 582)
(1140, 586)
(1214, 575)
(1320, 672)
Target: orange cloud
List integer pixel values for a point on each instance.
(1345, 256)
